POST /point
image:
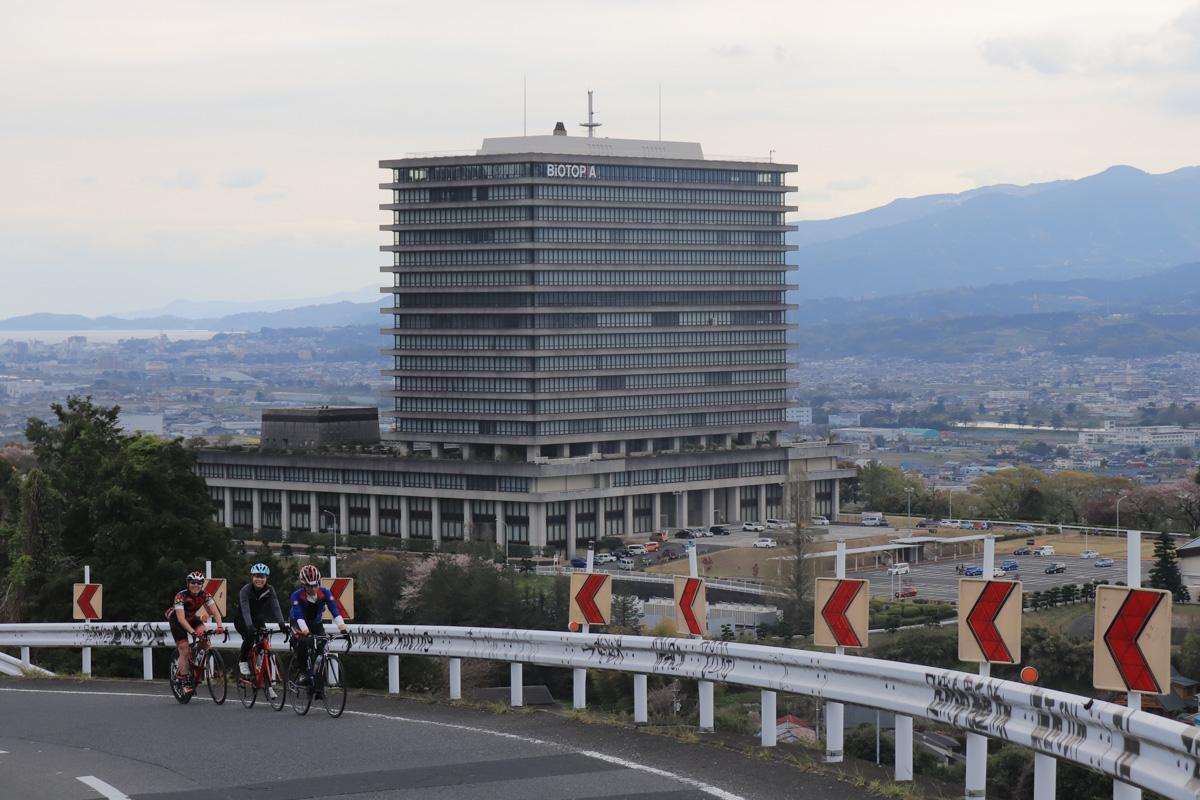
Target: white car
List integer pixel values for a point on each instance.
(899, 568)
(1089, 554)
(604, 558)
(701, 532)
(753, 526)
(765, 543)
(820, 521)
(625, 563)
(772, 524)
(637, 550)
(998, 573)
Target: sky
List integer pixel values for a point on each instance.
(219, 151)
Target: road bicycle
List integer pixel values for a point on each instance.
(326, 677)
(265, 675)
(207, 664)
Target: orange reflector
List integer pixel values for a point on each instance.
(574, 626)
(1029, 674)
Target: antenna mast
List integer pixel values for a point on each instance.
(590, 125)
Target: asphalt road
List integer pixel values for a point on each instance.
(65, 740)
(938, 580)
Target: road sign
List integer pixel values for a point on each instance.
(87, 601)
(343, 594)
(1132, 649)
(691, 606)
(216, 587)
(843, 611)
(591, 598)
(990, 629)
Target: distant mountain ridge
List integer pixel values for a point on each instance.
(1119, 223)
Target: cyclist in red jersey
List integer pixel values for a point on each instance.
(183, 619)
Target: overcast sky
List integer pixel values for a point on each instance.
(217, 151)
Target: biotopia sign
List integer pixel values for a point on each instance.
(570, 171)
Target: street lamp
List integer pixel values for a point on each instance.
(908, 490)
(504, 526)
(333, 559)
(1119, 499)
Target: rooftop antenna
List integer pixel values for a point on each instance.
(524, 104)
(590, 125)
(660, 111)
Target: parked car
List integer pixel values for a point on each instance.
(772, 524)
(1103, 562)
(637, 550)
(820, 520)
(659, 536)
(671, 554)
(899, 568)
(625, 563)
(1055, 567)
(1023, 529)
(1011, 563)
(651, 546)
(765, 543)
(684, 534)
(755, 527)
(1089, 554)
(1044, 550)
(621, 552)
(1022, 551)
(578, 563)
(604, 558)
(997, 572)
(973, 571)
(720, 530)
(926, 523)
(701, 532)
(909, 592)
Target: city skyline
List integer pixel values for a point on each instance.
(162, 153)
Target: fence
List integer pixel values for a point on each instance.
(1137, 748)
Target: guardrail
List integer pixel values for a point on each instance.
(748, 587)
(1136, 748)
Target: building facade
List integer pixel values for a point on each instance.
(588, 339)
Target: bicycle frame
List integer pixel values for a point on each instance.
(259, 661)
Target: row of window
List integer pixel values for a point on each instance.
(664, 422)
(716, 297)
(638, 194)
(653, 216)
(576, 405)
(416, 383)
(715, 472)
(410, 480)
(443, 258)
(406, 280)
(583, 236)
(630, 319)
(451, 363)
(606, 172)
(587, 341)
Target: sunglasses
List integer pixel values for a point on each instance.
(196, 583)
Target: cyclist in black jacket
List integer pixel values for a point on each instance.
(254, 598)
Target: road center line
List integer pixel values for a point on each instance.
(102, 787)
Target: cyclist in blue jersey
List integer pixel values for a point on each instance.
(308, 603)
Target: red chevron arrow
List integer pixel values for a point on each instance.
(587, 599)
(982, 620)
(339, 585)
(1122, 640)
(85, 600)
(834, 613)
(690, 590)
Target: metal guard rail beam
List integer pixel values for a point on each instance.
(1138, 748)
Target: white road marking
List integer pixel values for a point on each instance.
(102, 787)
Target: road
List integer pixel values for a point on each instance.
(64, 740)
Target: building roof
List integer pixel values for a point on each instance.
(583, 146)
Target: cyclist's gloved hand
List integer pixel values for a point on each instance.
(222, 630)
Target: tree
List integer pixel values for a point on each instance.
(1012, 493)
(625, 614)
(1165, 573)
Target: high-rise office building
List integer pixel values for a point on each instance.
(589, 339)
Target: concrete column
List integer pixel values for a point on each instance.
(977, 767)
(640, 713)
(228, 507)
(436, 506)
(706, 706)
(405, 518)
(1045, 769)
(570, 529)
(285, 511)
(681, 519)
(456, 679)
(837, 499)
(436, 450)
(762, 503)
(767, 720)
(148, 663)
(580, 688)
(658, 520)
(465, 450)
(502, 530)
(537, 524)
(314, 513)
(373, 505)
(256, 517)
(904, 748)
(706, 513)
(343, 520)
(516, 692)
(628, 515)
(834, 732)
(393, 674)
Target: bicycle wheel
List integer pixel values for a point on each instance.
(246, 687)
(214, 676)
(178, 688)
(273, 677)
(301, 696)
(333, 685)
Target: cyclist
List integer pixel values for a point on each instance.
(255, 598)
(183, 619)
(307, 604)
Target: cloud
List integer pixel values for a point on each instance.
(1049, 54)
(243, 179)
(731, 51)
(281, 193)
(184, 179)
(850, 184)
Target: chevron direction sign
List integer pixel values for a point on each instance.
(989, 621)
(87, 601)
(591, 598)
(691, 606)
(1132, 645)
(843, 608)
(342, 590)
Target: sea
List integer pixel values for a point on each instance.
(104, 336)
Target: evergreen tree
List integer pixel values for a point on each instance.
(1165, 573)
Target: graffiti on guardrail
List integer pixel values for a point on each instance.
(969, 702)
(667, 653)
(606, 650)
(717, 660)
(419, 642)
(130, 634)
(1058, 730)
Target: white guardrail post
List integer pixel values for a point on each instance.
(835, 725)
(1141, 750)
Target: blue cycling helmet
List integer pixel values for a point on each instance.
(260, 569)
